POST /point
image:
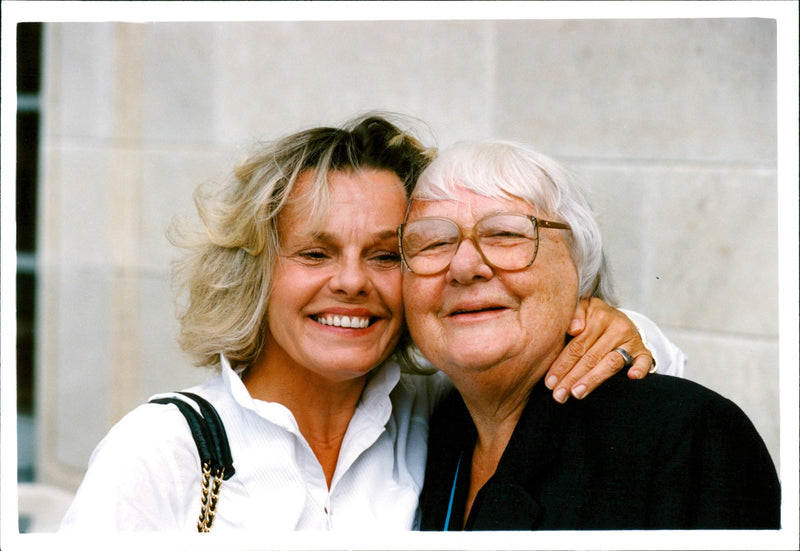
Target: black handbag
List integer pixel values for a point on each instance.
(213, 448)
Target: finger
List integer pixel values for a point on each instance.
(587, 354)
(610, 365)
(573, 354)
(587, 362)
(642, 366)
(576, 326)
(598, 364)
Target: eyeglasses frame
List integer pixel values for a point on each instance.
(537, 223)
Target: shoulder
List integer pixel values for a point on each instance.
(150, 433)
(658, 398)
(157, 433)
(150, 457)
(689, 440)
(671, 416)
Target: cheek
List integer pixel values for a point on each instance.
(277, 285)
(420, 296)
(292, 287)
(556, 292)
(280, 303)
(409, 292)
(389, 285)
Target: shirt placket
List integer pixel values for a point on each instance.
(329, 512)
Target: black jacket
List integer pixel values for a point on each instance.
(660, 453)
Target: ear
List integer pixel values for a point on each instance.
(578, 323)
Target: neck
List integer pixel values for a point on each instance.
(495, 420)
(322, 408)
(496, 397)
(495, 402)
(495, 424)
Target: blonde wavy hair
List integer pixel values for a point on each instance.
(225, 279)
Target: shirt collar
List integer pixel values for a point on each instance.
(375, 400)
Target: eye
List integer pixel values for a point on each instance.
(385, 259)
(504, 240)
(436, 245)
(313, 256)
(504, 235)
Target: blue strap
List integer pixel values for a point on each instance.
(452, 495)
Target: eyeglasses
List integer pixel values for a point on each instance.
(506, 241)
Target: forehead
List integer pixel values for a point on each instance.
(467, 205)
(366, 199)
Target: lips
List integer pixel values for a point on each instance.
(477, 310)
(474, 308)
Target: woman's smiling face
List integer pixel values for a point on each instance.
(336, 307)
(471, 318)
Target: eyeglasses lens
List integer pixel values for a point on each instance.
(507, 241)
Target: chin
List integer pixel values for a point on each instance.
(343, 366)
(340, 374)
(475, 361)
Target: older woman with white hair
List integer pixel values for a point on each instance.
(501, 253)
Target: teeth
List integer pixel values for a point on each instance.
(343, 321)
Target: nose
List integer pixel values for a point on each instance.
(350, 278)
(468, 264)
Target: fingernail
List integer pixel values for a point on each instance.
(551, 382)
(579, 391)
(560, 395)
(575, 325)
(635, 373)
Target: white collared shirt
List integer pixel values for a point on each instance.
(145, 474)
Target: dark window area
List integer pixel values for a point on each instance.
(29, 51)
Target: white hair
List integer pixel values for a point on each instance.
(503, 169)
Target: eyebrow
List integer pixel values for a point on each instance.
(379, 236)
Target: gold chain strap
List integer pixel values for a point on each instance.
(210, 486)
